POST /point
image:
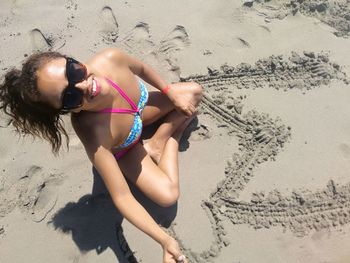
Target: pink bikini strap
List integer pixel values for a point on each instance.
(126, 97)
(110, 110)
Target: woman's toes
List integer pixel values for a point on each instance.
(152, 152)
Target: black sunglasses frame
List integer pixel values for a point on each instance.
(71, 89)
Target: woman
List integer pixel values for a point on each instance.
(109, 106)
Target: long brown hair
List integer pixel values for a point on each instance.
(19, 99)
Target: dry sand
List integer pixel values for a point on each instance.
(265, 168)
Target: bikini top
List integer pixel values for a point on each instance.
(136, 129)
(133, 109)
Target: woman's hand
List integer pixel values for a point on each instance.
(183, 100)
(172, 252)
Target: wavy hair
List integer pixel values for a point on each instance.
(19, 99)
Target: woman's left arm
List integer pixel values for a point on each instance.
(180, 98)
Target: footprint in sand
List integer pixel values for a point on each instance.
(39, 193)
(46, 198)
(110, 30)
(42, 43)
(39, 41)
(139, 33)
(35, 192)
(176, 40)
(138, 39)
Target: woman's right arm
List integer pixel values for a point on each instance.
(128, 206)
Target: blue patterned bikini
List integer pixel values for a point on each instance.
(136, 129)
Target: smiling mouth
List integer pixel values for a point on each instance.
(95, 89)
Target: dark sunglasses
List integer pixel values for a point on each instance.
(72, 97)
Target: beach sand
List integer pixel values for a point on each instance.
(264, 170)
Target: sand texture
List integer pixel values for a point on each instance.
(264, 169)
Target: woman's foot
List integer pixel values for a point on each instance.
(155, 148)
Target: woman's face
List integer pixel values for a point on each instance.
(52, 81)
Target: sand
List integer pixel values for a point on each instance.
(270, 178)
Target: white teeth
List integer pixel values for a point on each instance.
(94, 88)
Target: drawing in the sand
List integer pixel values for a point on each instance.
(260, 139)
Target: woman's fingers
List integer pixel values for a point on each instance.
(174, 259)
(185, 111)
(181, 259)
(190, 110)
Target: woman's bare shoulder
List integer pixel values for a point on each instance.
(114, 55)
(91, 130)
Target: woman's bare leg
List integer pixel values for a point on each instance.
(155, 146)
(168, 162)
(159, 182)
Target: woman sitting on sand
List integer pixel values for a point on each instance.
(108, 106)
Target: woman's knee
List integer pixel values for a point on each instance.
(169, 196)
